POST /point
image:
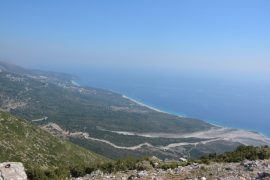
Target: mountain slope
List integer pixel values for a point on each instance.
(109, 123)
(24, 142)
(73, 107)
(7, 67)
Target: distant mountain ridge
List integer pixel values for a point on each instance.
(94, 118)
(7, 67)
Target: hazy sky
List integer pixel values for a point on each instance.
(171, 35)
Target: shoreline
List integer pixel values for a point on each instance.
(143, 104)
(75, 83)
(151, 107)
(182, 116)
(170, 113)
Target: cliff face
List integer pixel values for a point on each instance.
(12, 170)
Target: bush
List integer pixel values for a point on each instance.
(90, 169)
(125, 164)
(240, 154)
(47, 174)
(171, 165)
(107, 167)
(77, 171)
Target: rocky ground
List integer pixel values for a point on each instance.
(246, 170)
(12, 171)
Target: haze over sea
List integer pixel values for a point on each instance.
(228, 102)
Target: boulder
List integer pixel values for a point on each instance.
(96, 173)
(178, 170)
(131, 177)
(155, 164)
(12, 171)
(249, 165)
(144, 165)
(263, 175)
(142, 174)
(155, 159)
(183, 159)
(170, 171)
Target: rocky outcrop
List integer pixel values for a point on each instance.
(12, 171)
(246, 170)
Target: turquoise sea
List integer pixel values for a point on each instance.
(227, 102)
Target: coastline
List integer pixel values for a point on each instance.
(75, 83)
(182, 116)
(143, 104)
(150, 107)
(162, 111)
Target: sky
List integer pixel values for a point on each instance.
(225, 36)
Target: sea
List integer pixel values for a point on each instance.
(229, 101)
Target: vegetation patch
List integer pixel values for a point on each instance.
(240, 154)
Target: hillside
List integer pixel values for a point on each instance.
(35, 96)
(23, 142)
(246, 162)
(109, 123)
(245, 170)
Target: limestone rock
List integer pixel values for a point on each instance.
(142, 174)
(183, 159)
(12, 171)
(144, 165)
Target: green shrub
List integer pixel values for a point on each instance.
(77, 171)
(240, 154)
(130, 163)
(90, 169)
(47, 174)
(170, 165)
(107, 167)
